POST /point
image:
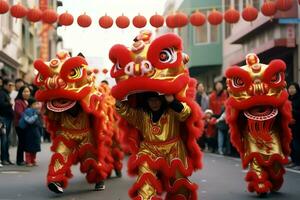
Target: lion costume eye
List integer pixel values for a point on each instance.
(168, 55)
(40, 78)
(76, 73)
(276, 78)
(237, 82)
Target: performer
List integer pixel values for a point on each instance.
(156, 96)
(77, 120)
(258, 114)
(115, 127)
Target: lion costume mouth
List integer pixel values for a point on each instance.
(261, 113)
(60, 105)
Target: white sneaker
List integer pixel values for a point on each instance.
(1, 165)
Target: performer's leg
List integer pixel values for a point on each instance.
(258, 179)
(59, 167)
(180, 188)
(276, 173)
(88, 156)
(147, 186)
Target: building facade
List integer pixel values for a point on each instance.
(21, 42)
(267, 37)
(203, 44)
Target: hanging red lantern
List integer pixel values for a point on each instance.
(104, 71)
(249, 13)
(170, 21)
(215, 17)
(84, 20)
(197, 19)
(157, 20)
(284, 5)
(268, 8)
(65, 19)
(49, 16)
(34, 15)
(181, 19)
(106, 21)
(122, 21)
(232, 16)
(18, 11)
(4, 6)
(139, 21)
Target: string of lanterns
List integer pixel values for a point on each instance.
(174, 20)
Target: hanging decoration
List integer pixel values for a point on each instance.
(65, 19)
(173, 20)
(284, 5)
(197, 18)
(170, 21)
(4, 6)
(249, 13)
(84, 20)
(49, 16)
(215, 17)
(157, 20)
(268, 8)
(34, 15)
(104, 71)
(232, 16)
(106, 21)
(122, 21)
(181, 19)
(18, 11)
(139, 21)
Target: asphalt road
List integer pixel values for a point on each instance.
(221, 179)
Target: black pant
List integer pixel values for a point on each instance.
(295, 151)
(21, 144)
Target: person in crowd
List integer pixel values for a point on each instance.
(223, 135)
(210, 131)
(201, 97)
(20, 106)
(1, 82)
(216, 103)
(18, 84)
(294, 97)
(6, 117)
(31, 123)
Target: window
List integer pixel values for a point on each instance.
(256, 4)
(206, 33)
(227, 30)
(214, 33)
(201, 34)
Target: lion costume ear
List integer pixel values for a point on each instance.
(81, 55)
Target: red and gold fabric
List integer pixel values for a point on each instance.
(77, 118)
(258, 113)
(164, 153)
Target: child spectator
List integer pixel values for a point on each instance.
(32, 125)
(210, 131)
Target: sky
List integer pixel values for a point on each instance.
(95, 42)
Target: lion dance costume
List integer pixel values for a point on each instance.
(258, 114)
(164, 153)
(78, 117)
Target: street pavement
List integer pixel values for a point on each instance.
(221, 179)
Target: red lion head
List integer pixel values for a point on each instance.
(65, 80)
(149, 66)
(258, 97)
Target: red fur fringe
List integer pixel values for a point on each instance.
(162, 86)
(169, 170)
(146, 178)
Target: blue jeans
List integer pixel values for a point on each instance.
(5, 139)
(223, 142)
